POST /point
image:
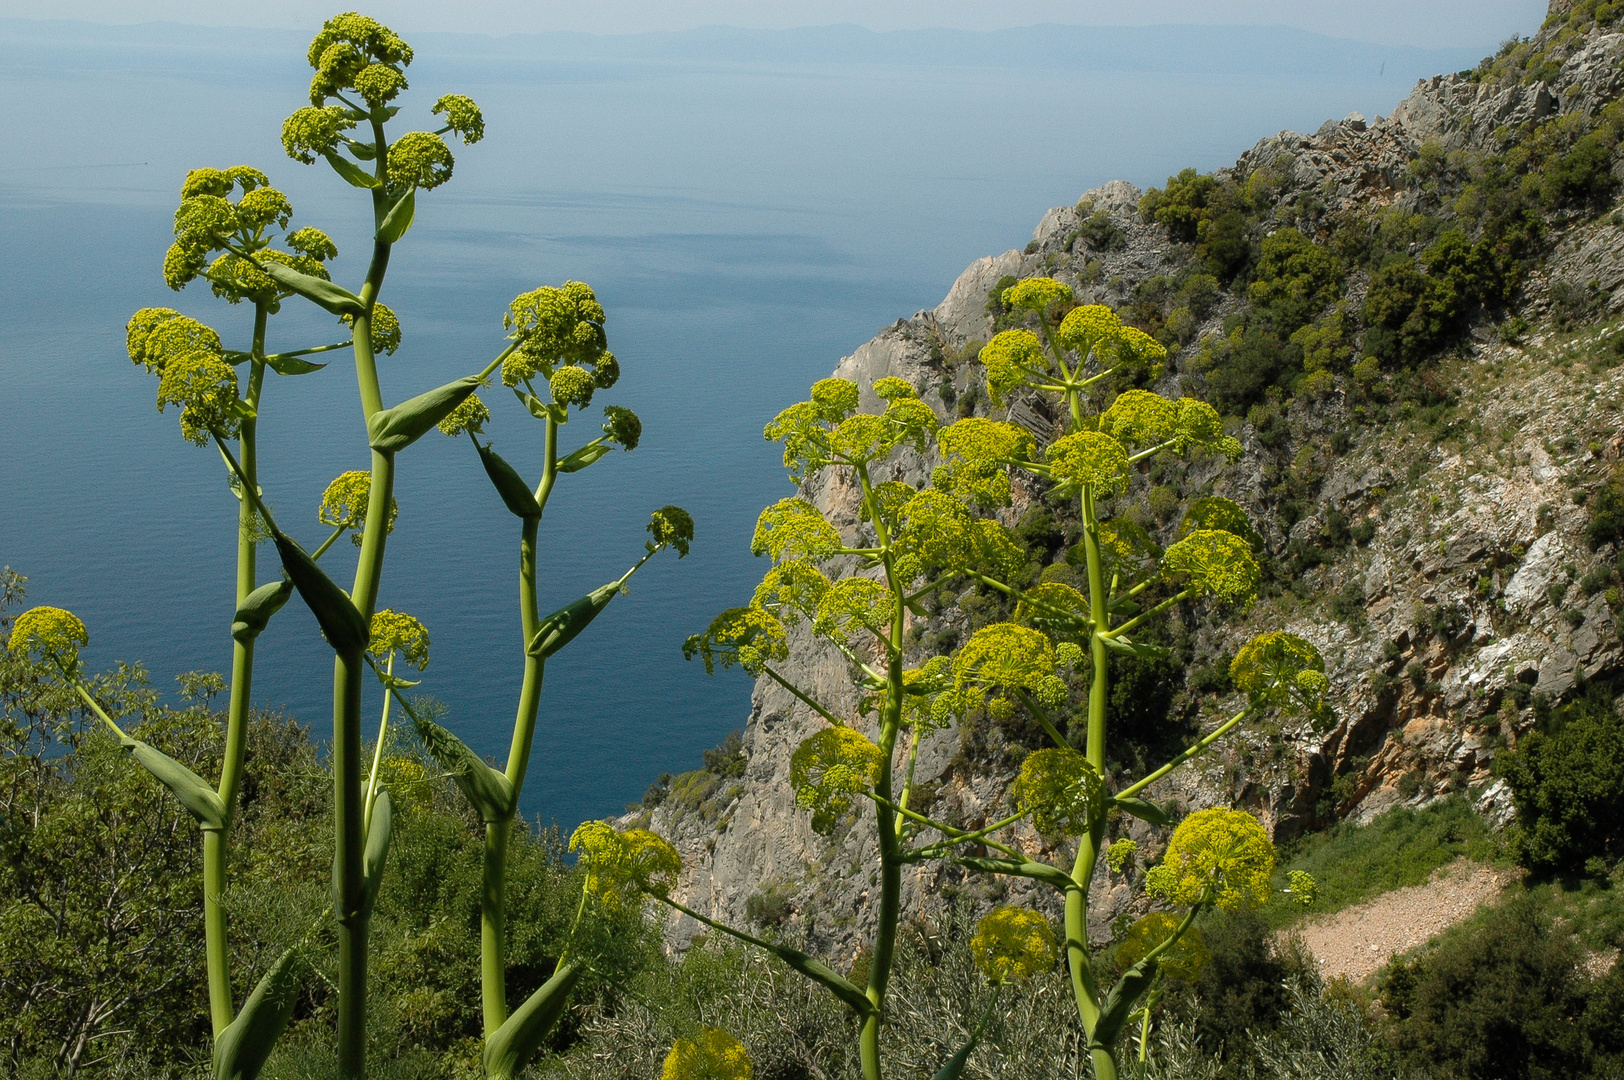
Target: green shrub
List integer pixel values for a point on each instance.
(1296, 279)
(1501, 999)
(1567, 780)
(1606, 524)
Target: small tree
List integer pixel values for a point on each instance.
(911, 544)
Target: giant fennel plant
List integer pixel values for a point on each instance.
(855, 593)
(227, 231)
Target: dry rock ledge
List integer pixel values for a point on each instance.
(1419, 715)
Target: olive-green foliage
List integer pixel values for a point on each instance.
(794, 1031)
(87, 845)
(99, 876)
(1242, 991)
(1353, 862)
(1502, 998)
(1567, 778)
(1197, 208)
(1296, 279)
(1606, 513)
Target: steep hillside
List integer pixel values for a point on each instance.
(1406, 323)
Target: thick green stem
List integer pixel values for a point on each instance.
(493, 926)
(348, 810)
(216, 848)
(891, 853)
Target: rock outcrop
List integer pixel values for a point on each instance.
(1466, 592)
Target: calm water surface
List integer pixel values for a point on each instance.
(748, 212)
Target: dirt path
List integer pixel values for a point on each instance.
(1357, 940)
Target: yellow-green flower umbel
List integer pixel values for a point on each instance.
(712, 1054)
(1013, 945)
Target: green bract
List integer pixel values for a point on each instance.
(624, 866)
(1037, 294)
(1220, 857)
(794, 529)
(976, 455)
(829, 768)
(1183, 960)
(1089, 458)
(1061, 792)
(712, 1054)
(397, 632)
(49, 632)
(1217, 563)
(1013, 945)
(749, 637)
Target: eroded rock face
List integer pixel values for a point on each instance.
(1465, 582)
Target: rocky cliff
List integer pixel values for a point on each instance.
(1434, 546)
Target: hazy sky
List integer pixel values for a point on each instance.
(1477, 23)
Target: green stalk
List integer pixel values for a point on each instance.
(493, 869)
(891, 854)
(216, 849)
(348, 810)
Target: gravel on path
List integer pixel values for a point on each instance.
(1356, 941)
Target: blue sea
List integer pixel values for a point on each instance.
(750, 206)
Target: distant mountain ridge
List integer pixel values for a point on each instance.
(1182, 49)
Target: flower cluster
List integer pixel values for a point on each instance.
(1120, 855)
(828, 769)
(471, 414)
(749, 637)
(1216, 856)
(1011, 657)
(1214, 512)
(384, 327)
(1088, 459)
(827, 429)
(1013, 945)
(49, 632)
(1087, 328)
(794, 529)
(671, 526)
(976, 456)
(205, 388)
(1303, 888)
(419, 159)
(348, 45)
(793, 590)
(711, 1054)
(344, 504)
(156, 335)
(208, 221)
(462, 116)
(396, 631)
(1011, 358)
(622, 426)
(554, 328)
(1281, 671)
(1183, 960)
(1037, 294)
(622, 867)
(1061, 791)
(853, 605)
(1216, 563)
